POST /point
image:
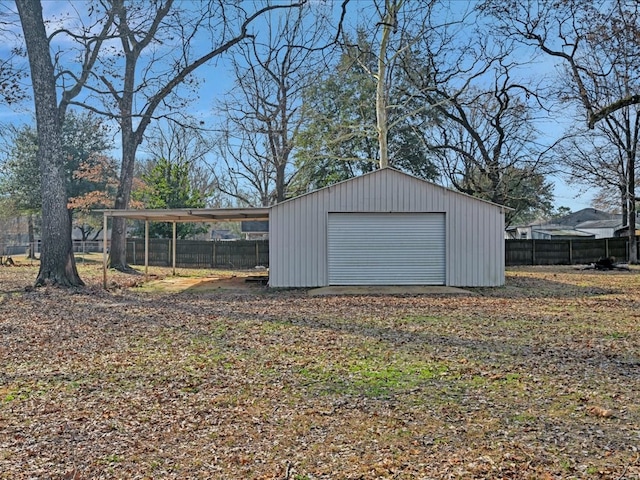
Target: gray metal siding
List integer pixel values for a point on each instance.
(298, 228)
(476, 243)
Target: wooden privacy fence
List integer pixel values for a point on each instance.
(239, 254)
(564, 252)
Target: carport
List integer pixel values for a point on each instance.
(175, 216)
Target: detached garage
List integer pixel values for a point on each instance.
(386, 228)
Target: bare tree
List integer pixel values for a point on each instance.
(481, 118)
(394, 27)
(603, 157)
(487, 148)
(138, 81)
(57, 264)
(12, 72)
(563, 29)
(599, 46)
(486, 143)
(263, 111)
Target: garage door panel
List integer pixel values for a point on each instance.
(383, 248)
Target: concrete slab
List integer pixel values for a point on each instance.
(388, 290)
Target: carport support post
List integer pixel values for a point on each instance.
(173, 250)
(104, 250)
(146, 248)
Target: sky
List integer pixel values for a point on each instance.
(217, 79)
(571, 196)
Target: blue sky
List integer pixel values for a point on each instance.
(216, 80)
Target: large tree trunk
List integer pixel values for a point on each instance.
(118, 250)
(633, 245)
(57, 264)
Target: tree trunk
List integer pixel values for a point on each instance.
(633, 245)
(57, 264)
(118, 250)
(281, 184)
(381, 99)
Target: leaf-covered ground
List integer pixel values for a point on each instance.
(536, 380)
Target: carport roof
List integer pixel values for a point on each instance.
(191, 214)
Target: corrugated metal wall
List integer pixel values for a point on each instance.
(298, 228)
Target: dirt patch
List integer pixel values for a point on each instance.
(236, 282)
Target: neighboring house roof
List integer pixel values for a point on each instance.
(559, 232)
(549, 227)
(574, 219)
(254, 226)
(223, 234)
(613, 223)
(585, 215)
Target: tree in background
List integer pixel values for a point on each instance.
(391, 28)
(487, 148)
(339, 138)
(189, 144)
(11, 89)
(482, 133)
(602, 157)
(89, 176)
(20, 178)
(12, 74)
(139, 79)
(166, 184)
(529, 194)
(598, 45)
(20, 172)
(97, 177)
(263, 110)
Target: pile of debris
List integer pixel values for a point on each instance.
(606, 263)
(7, 261)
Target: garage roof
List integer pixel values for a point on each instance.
(192, 214)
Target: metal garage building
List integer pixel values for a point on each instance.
(386, 228)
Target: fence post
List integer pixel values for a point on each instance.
(533, 251)
(570, 252)
(215, 258)
(606, 248)
(257, 253)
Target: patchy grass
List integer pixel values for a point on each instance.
(537, 379)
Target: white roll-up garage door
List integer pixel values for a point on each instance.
(386, 248)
